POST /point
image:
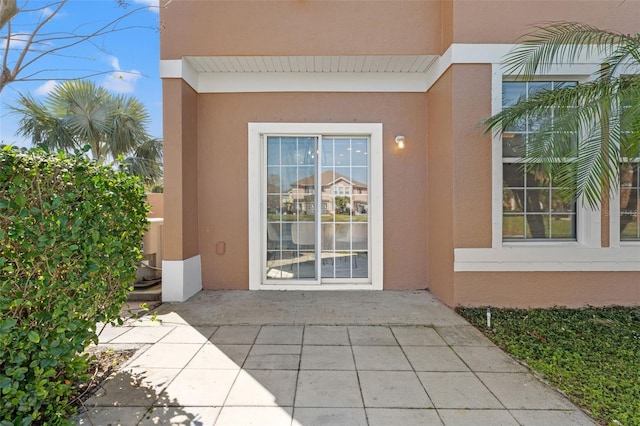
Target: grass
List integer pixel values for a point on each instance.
(592, 354)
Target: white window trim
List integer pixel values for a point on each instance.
(584, 254)
(257, 237)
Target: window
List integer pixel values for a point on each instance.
(531, 206)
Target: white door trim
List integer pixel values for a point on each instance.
(256, 236)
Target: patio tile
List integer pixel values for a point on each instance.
(114, 416)
(463, 335)
(188, 334)
(478, 417)
(402, 416)
(523, 391)
(181, 416)
(325, 335)
(254, 416)
(235, 334)
(328, 389)
(327, 358)
(329, 417)
(392, 389)
(434, 358)
(490, 359)
(273, 357)
(457, 390)
(109, 332)
(263, 388)
(417, 336)
(220, 357)
(371, 335)
(549, 417)
(280, 335)
(141, 334)
(194, 387)
(380, 358)
(132, 388)
(166, 355)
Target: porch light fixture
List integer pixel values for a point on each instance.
(400, 141)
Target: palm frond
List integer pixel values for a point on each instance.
(557, 43)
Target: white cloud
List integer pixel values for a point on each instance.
(153, 4)
(46, 88)
(121, 81)
(18, 40)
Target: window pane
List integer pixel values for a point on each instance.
(512, 226)
(532, 207)
(629, 202)
(513, 144)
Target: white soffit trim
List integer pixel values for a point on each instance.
(366, 73)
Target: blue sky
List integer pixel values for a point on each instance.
(127, 60)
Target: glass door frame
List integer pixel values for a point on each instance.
(257, 204)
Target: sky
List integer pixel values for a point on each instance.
(125, 61)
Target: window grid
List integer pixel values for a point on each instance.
(630, 201)
(531, 207)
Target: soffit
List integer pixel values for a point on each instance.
(312, 64)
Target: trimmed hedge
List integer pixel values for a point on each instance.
(70, 236)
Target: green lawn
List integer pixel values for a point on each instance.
(593, 354)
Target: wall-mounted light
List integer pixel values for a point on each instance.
(400, 141)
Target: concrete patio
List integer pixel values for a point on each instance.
(318, 358)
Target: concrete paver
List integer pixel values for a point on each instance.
(488, 359)
(329, 417)
(326, 335)
(392, 389)
(235, 335)
(402, 416)
(181, 416)
(458, 390)
(220, 357)
(434, 358)
(380, 358)
(274, 357)
(317, 358)
(327, 358)
(523, 391)
(263, 388)
(417, 336)
(328, 389)
(479, 417)
(371, 335)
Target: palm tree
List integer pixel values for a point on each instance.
(78, 113)
(595, 125)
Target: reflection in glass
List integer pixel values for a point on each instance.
(630, 202)
(339, 189)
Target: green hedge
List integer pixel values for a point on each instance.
(70, 235)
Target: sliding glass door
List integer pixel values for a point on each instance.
(316, 221)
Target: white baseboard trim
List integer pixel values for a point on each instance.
(181, 279)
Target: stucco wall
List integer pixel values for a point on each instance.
(440, 187)
(547, 289)
(222, 172)
(156, 205)
(503, 21)
(180, 233)
(293, 27)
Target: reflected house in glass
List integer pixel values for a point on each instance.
(280, 120)
(339, 195)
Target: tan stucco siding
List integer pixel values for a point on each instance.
(223, 207)
(546, 289)
(504, 21)
(293, 27)
(180, 232)
(471, 156)
(440, 187)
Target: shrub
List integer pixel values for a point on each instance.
(70, 235)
